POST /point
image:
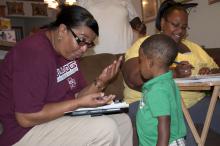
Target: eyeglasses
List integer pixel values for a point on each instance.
(178, 25)
(81, 41)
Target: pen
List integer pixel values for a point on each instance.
(176, 62)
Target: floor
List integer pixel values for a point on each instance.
(213, 139)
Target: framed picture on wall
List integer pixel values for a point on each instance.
(2, 11)
(39, 9)
(15, 8)
(213, 1)
(32, 0)
(149, 10)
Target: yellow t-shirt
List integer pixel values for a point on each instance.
(197, 57)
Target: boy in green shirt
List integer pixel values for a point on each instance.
(159, 119)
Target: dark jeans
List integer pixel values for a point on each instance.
(198, 113)
(133, 108)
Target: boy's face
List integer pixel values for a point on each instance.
(144, 64)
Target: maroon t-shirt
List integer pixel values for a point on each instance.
(31, 75)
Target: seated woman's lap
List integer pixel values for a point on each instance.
(79, 131)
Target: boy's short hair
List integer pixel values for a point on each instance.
(160, 47)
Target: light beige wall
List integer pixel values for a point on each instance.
(204, 21)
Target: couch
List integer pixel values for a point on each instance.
(91, 67)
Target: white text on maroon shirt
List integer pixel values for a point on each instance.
(66, 70)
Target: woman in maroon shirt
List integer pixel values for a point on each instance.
(40, 80)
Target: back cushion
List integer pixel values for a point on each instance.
(92, 66)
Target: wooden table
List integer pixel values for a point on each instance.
(216, 93)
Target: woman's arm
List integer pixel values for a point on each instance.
(131, 74)
(53, 111)
(182, 69)
(163, 130)
(138, 26)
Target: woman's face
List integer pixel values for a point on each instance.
(175, 25)
(76, 41)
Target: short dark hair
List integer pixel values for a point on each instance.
(73, 16)
(162, 47)
(166, 8)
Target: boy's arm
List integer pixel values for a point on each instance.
(163, 130)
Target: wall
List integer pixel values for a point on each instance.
(204, 21)
(28, 22)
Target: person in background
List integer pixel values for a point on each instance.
(40, 80)
(159, 118)
(172, 20)
(116, 19)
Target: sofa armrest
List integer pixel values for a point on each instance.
(215, 54)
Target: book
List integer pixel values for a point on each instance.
(113, 108)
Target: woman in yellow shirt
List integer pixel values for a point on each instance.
(172, 20)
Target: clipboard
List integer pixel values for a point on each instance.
(113, 108)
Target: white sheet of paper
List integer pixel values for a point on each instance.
(199, 79)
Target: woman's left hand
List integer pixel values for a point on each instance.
(110, 71)
(215, 70)
(204, 71)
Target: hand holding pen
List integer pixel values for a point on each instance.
(183, 69)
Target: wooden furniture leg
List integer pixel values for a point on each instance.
(211, 108)
(191, 124)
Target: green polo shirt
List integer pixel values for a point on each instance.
(161, 97)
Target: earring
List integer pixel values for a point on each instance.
(59, 37)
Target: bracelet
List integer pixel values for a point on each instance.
(99, 84)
